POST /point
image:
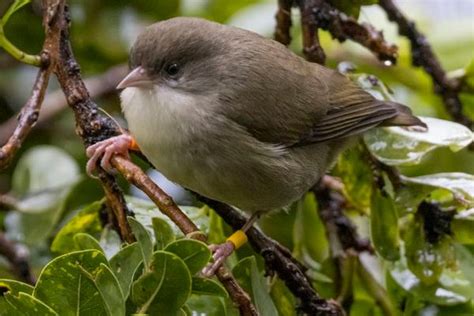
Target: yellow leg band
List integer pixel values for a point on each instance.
(238, 238)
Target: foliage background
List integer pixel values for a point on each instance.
(49, 181)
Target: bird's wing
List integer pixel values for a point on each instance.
(284, 100)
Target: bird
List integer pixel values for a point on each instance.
(237, 117)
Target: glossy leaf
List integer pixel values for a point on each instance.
(460, 184)
(354, 171)
(163, 232)
(246, 272)
(110, 242)
(164, 288)
(86, 221)
(24, 304)
(204, 286)
(43, 178)
(67, 284)
(397, 146)
(194, 253)
(12, 287)
(144, 240)
(85, 241)
(384, 226)
(125, 264)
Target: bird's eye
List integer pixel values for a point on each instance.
(172, 69)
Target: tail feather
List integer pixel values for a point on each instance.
(404, 117)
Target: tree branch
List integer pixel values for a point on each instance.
(18, 258)
(279, 259)
(423, 56)
(317, 14)
(55, 102)
(283, 18)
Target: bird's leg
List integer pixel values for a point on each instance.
(222, 251)
(104, 151)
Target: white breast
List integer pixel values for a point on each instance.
(162, 121)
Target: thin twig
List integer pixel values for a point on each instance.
(91, 125)
(28, 116)
(279, 260)
(423, 56)
(309, 26)
(283, 18)
(317, 14)
(18, 257)
(55, 102)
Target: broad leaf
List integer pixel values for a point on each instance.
(63, 285)
(85, 241)
(144, 240)
(399, 146)
(194, 253)
(24, 304)
(384, 225)
(164, 288)
(460, 184)
(203, 286)
(125, 264)
(163, 232)
(246, 272)
(43, 177)
(86, 221)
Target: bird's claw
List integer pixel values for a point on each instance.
(220, 254)
(105, 150)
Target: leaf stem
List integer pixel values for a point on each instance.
(18, 54)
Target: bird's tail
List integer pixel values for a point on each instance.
(404, 117)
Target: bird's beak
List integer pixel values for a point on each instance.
(136, 78)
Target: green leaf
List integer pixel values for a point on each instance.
(87, 221)
(144, 240)
(24, 304)
(194, 253)
(423, 258)
(309, 233)
(110, 242)
(384, 226)
(85, 241)
(63, 285)
(460, 184)
(462, 227)
(16, 5)
(163, 232)
(354, 170)
(246, 272)
(12, 287)
(397, 146)
(43, 177)
(163, 289)
(203, 286)
(125, 264)
(451, 289)
(283, 298)
(210, 306)
(108, 286)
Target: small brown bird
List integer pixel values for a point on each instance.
(237, 117)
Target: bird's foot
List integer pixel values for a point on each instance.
(220, 254)
(117, 145)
